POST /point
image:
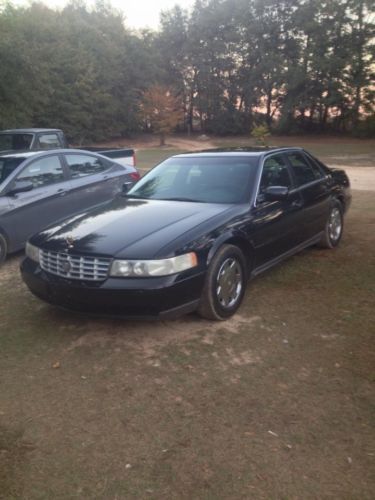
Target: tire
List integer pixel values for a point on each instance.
(334, 227)
(3, 249)
(225, 284)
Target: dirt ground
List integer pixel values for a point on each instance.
(276, 403)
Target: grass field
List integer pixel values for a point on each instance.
(276, 403)
(147, 158)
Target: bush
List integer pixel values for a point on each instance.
(260, 134)
(365, 128)
(227, 122)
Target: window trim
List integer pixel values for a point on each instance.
(263, 160)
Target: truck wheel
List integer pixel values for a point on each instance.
(3, 248)
(225, 284)
(334, 226)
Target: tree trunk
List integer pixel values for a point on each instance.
(360, 68)
(268, 111)
(162, 139)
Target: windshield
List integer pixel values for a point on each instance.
(15, 141)
(7, 165)
(199, 179)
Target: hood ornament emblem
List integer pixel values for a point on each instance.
(69, 241)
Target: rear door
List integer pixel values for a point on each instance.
(94, 179)
(276, 224)
(314, 186)
(45, 204)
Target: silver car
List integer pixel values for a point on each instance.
(40, 188)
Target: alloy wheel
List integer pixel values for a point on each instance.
(229, 283)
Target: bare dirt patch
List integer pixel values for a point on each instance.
(191, 144)
(136, 335)
(361, 178)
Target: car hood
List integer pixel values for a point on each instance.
(128, 228)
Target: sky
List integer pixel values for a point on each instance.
(138, 13)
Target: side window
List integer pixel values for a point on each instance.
(275, 173)
(43, 172)
(6, 142)
(318, 166)
(48, 141)
(82, 165)
(7, 166)
(303, 171)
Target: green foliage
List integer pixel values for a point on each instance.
(365, 128)
(78, 69)
(295, 66)
(305, 66)
(260, 134)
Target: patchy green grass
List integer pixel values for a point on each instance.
(275, 403)
(148, 158)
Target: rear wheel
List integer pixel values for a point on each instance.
(225, 284)
(3, 248)
(334, 226)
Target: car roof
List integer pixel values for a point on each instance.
(29, 130)
(239, 151)
(27, 153)
(22, 153)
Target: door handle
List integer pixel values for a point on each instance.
(61, 192)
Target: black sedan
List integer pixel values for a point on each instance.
(190, 234)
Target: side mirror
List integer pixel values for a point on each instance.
(20, 187)
(275, 193)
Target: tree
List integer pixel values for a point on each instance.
(161, 110)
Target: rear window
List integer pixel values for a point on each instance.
(15, 141)
(82, 165)
(7, 166)
(48, 141)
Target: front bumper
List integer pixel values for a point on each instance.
(164, 297)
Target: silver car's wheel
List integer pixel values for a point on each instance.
(229, 282)
(334, 226)
(225, 284)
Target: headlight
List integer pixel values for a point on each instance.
(162, 267)
(32, 252)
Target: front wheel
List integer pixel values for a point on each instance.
(334, 227)
(225, 284)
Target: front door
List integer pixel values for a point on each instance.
(45, 204)
(275, 224)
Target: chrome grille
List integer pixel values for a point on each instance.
(74, 266)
